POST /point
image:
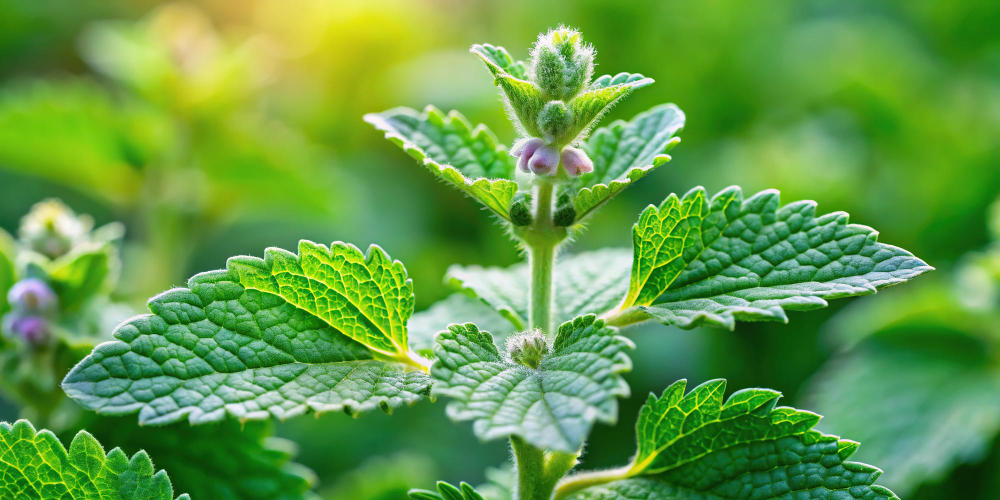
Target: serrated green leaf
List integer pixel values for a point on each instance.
(469, 158)
(226, 461)
(625, 152)
(586, 283)
(590, 105)
(695, 446)
(231, 344)
(34, 464)
(446, 491)
(700, 261)
(456, 308)
(502, 59)
(551, 407)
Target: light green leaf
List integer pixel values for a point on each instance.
(523, 99)
(231, 344)
(551, 407)
(605, 81)
(79, 275)
(501, 58)
(446, 491)
(7, 274)
(625, 152)
(469, 158)
(590, 105)
(456, 308)
(34, 464)
(586, 283)
(225, 461)
(700, 261)
(696, 446)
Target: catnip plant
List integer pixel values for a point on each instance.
(331, 328)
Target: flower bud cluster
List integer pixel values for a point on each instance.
(33, 303)
(51, 228)
(561, 64)
(528, 348)
(539, 158)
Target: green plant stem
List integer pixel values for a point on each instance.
(584, 480)
(541, 241)
(538, 471)
(622, 318)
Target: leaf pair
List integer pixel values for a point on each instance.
(34, 464)
(321, 331)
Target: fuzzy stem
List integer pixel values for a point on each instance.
(542, 243)
(581, 481)
(538, 471)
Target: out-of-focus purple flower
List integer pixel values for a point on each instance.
(576, 161)
(524, 149)
(32, 295)
(32, 329)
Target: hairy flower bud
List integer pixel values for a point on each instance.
(561, 64)
(554, 120)
(545, 161)
(528, 348)
(565, 212)
(32, 295)
(576, 161)
(32, 329)
(520, 209)
(51, 228)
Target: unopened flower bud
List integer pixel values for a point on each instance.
(565, 213)
(520, 209)
(528, 348)
(545, 161)
(32, 329)
(561, 64)
(576, 161)
(51, 228)
(32, 295)
(554, 120)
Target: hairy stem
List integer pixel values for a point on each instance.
(541, 242)
(584, 480)
(538, 471)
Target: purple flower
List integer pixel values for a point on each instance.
(32, 329)
(524, 149)
(576, 162)
(32, 295)
(535, 156)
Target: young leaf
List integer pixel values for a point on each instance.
(586, 283)
(232, 344)
(34, 464)
(456, 308)
(700, 261)
(523, 99)
(697, 446)
(502, 59)
(469, 158)
(446, 491)
(78, 275)
(589, 106)
(230, 460)
(625, 152)
(552, 406)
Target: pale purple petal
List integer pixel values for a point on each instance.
(524, 149)
(576, 161)
(545, 161)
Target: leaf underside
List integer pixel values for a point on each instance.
(470, 158)
(700, 261)
(34, 464)
(624, 152)
(585, 283)
(551, 407)
(231, 344)
(696, 446)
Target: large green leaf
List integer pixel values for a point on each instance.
(696, 446)
(232, 344)
(586, 283)
(34, 464)
(225, 461)
(625, 152)
(552, 406)
(469, 158)
(700, 261)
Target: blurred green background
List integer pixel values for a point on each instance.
(220, 128)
